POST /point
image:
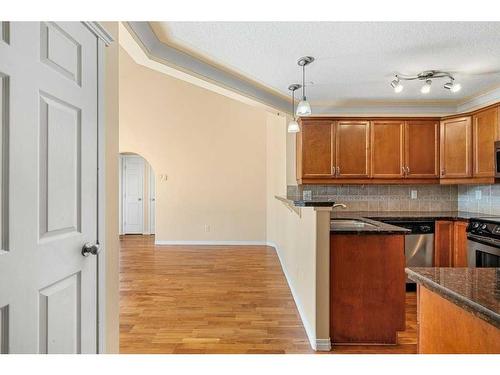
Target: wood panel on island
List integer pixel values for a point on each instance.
(451, 150)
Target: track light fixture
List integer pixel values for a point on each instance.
(293, 126)
(427, 76)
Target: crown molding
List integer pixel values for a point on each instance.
(99, 31)
(210, 76)
(174, 58)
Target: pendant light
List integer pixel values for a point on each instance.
(293, 126)
(304, 108)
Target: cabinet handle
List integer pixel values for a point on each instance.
(442, 172)
(407, 171)
(403, 171)
(334, 171)
(338, 171)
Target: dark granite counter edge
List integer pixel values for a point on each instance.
(411, 215)
(456, 298)
(295, 201)
(302, 203)
(381, 228)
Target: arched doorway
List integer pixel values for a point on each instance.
(137, 195)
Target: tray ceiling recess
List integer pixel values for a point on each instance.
(355, 62)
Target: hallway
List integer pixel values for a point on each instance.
(206, 299)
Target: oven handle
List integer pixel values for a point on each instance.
(484, 240)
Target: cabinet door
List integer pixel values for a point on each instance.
(484, 135)
(460, 244)
(352, 149)
(422, 149)
(456, 148)
(387, 149)
(316, 151)
(443, 243)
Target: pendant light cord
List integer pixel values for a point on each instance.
(304, 82)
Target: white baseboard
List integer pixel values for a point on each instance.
(323, 345)
(212, 243)
(311, 334)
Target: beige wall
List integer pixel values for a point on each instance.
(300, 237)
(212, 149)
(225, 161)
(112, 305)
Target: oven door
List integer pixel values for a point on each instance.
(483, 252)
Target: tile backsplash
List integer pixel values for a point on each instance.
(386, 197)
(479, 198)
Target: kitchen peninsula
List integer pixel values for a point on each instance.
(358, 242)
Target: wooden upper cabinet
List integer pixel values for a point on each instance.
(352, 149)
(387, 149)
(315, 153)
(421, 147)
(484, 134)
(456, 148)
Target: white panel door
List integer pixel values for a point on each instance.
(133, 195)
(49, 182)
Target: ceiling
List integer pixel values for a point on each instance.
(355, 61)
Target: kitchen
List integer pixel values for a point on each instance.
(408, 213)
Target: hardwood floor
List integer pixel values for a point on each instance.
(209, 299)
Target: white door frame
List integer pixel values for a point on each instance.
(152, 200)
(103, 40)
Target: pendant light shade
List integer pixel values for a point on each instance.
(304, 108)
(293, 125)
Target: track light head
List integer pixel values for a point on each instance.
(396, 85)
(452, 86)
(426, 88)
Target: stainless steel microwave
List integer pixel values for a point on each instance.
(497, 159)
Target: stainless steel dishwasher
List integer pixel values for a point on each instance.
(419, 244)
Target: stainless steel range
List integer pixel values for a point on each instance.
(483, 234)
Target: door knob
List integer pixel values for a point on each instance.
(139, 199)
(90, 248)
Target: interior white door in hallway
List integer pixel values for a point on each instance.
(49, 114)
(133, 194)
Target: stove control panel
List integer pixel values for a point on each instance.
(484, 228)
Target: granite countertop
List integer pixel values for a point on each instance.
(397, 215)
(299, 201)
(371, 227)
(474, 289)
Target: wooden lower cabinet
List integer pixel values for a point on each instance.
(445, 328)
(367, 288)
(459, 244)
(450, 244)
